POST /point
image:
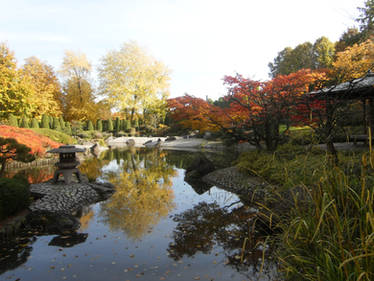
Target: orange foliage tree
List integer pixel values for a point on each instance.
(10, 150)
(197, 114)
(264, 106)
(38, 144)
(254, 110)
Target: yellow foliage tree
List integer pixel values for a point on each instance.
(354, 62)
(133, 81)
(46, 96)
(79, 98)
(15, 90)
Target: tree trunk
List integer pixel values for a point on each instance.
(2, 170)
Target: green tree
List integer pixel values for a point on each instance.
(10, 149)
(323, 53)
(303, 56)
(56, 124)
(99, 125)
(24, 122)
(34, 123)
(366, 20)
(117, 125)
(127, 125)
(110, 125)
(67, 129)
(90, 126)
(62, 122)
(132, 80)
(350, 37)
(12, 120)
(45, 121)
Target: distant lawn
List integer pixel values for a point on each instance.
(55, 135)
(282, 128)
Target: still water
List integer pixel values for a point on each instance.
(156, 226)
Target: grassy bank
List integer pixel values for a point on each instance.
(331, 237)
(55, 135)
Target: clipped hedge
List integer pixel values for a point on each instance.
(55, 135)
(14, 196)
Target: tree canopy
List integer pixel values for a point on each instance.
(304, 56)
(133, 81)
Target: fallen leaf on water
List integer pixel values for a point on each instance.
(197, 278)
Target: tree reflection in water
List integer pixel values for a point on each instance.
(143, 192)
(205, 225)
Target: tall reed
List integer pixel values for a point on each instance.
(332, 237)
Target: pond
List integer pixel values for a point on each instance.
(156, 226)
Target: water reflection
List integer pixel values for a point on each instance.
(202, 232)
(143, 191)
(238, 230)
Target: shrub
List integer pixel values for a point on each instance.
(10, 150)
(90, 126)
(24, 122)
(14, 196)
(110, 125)
(122, 134)
(45, 121)
(57, 136)
(62, 122)
(12, 120)
(37, 142)
(127, 126)
(67, 129)
(117, 125)
(99, 125)
(34, 123)
(132, 132)
(56, 124)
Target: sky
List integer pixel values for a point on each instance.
(201, 41)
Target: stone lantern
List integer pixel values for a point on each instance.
(67, 166)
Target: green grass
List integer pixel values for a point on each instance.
(55, 135)
(331, 236)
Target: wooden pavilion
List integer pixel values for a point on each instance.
(361, 89)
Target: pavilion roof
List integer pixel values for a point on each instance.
(357, 88)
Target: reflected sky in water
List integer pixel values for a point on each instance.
(155, 227)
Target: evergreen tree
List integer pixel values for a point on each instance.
(110, 125)
(12, 120)
(62, 122)
(67, 129)
(56, 124)
(24, 122)
(34, 123)
(99, 125)
(90, 126)
(136, 123)
(122, 125)
(127, 125)
(45, 121)
(50, 120)
(117, 125)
